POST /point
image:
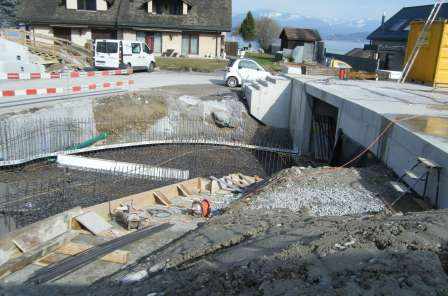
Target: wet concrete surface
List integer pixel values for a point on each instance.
(429, 125)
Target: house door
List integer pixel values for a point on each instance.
(62, 33)
(149, 39)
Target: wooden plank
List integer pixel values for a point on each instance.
(140, 200)
(93, 222)
(183, 190)
(28, 258)
(47, 260)
(72, 249)
(161, 198)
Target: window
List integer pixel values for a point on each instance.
(106, 47)
(244, 64)
(87, 4)
(101, 47)
(141, 36)
(158, 42)
(146, 49)
(399, 25)
(173, 7)
(112, 47)
(190, 44)
(136, 48)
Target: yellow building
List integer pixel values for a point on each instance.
(431, 65)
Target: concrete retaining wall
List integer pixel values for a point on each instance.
(269, 101)
(364, 110)
(399, 148)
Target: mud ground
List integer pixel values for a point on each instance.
(279, 252)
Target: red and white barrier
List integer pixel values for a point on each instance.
(73, 74)
(61, 90)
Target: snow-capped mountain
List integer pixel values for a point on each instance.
(328, 27)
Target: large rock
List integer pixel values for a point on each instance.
(224, 119)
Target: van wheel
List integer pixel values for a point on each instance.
(232, 82)
(151, 67)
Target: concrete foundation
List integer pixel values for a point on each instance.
(365, 108)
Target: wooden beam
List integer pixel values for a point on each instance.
(183, 190)
(72, 249)
(162, 198)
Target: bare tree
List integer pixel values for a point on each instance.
(268, 31)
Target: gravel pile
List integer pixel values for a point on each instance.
(333, 194)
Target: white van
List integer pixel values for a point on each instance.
(120, 54)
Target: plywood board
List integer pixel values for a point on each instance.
(93, 222)
(33, 239)
(72, 249)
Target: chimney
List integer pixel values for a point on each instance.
(383, 19)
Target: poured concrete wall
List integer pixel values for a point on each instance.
(363, 119)
(269, 101)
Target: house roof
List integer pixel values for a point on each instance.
(300, 34)
(205, 15)
(358, 53)
(397, 27)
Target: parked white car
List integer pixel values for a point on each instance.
(120, 54)
(244, 70)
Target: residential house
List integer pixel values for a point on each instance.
(390, 39)
(193, 28)
(293, 37)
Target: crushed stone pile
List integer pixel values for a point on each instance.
(320, 193)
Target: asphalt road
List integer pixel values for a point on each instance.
(141, 80)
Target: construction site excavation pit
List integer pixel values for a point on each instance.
(30, 193)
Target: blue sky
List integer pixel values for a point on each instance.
(329, 8)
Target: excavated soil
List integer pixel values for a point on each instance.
(283, 252)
